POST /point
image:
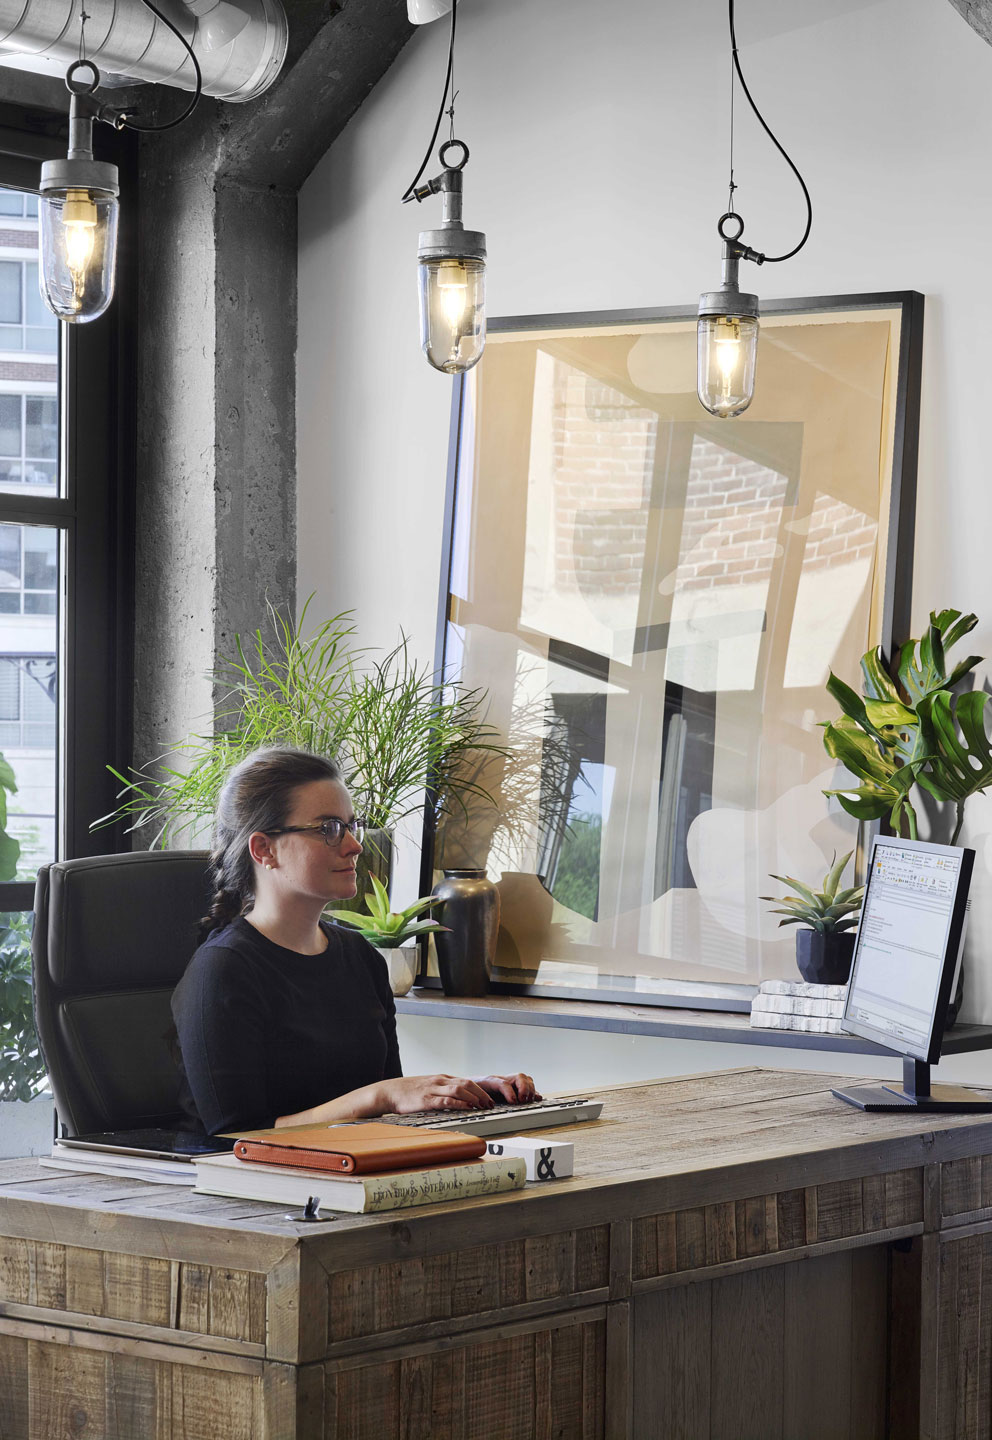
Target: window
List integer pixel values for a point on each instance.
(28, 570)
(26, 323)
(66, 411)
(29, 440)
(66, 427)
(18, 206)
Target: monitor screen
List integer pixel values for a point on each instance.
(908, 945)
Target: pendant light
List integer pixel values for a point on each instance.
(727, 328)
(78, 204)
(451, 260)
(78, 209)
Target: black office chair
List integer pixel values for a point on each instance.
(112, 936)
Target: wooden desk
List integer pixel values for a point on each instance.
(740, 1255)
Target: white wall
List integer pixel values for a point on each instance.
(598, 170)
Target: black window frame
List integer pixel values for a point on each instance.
(96, 512)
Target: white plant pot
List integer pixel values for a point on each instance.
(402, 964)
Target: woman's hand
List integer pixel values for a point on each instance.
(514, 1089)
(409, 1093)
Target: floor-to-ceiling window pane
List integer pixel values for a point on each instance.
(29, 688)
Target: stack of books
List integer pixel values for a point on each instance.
(360, 1168)
(796, 1005)
(357, 1194)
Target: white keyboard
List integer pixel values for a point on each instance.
(502, 1119)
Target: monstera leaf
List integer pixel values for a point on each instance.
(885, 783)
(960, 760)
(911, 730)
(927, 674)
(879, 741)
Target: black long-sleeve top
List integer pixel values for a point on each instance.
(264, 1031)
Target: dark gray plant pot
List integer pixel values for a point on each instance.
(824, 959)
(470, 909)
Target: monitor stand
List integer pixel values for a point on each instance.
(916, 1094)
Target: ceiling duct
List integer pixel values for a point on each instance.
(240, 46)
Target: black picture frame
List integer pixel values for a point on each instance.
(896, 590)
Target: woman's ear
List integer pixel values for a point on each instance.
(260, 849)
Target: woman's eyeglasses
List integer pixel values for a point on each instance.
(332, 831)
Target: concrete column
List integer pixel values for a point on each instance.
(216, 483)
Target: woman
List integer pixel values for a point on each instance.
(282, 1018)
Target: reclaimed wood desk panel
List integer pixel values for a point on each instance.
(739, 1255)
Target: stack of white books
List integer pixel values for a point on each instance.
(797, 1005)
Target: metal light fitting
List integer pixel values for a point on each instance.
(78, 214)
(452, 270)
(727, 325)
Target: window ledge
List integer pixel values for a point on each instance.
(678, 1024)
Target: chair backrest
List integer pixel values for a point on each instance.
(112, 937)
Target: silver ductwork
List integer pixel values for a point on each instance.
(127, 41)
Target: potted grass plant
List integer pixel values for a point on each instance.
(827, 919)
(393, 933)
(403, 739)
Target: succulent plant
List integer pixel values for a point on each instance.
(829, 910)
(384, 927)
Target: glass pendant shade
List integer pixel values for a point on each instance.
(452, 312)
(78, 251)
(726, 355)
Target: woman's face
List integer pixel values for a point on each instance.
(303, 862)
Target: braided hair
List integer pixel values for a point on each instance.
(257, 795)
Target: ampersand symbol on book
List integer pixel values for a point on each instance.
(546, 1166)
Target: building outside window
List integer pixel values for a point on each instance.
(29, 554)
(29, 438)
(67, 413)
(24, 318)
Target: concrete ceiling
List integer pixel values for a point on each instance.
(338, 50)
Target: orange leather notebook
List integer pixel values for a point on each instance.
(363, 1149)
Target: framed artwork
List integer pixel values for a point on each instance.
(653, 600)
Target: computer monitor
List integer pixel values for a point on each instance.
(907, 958)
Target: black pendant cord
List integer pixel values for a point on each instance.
(121, 119)
(408, 192)
(766, 259)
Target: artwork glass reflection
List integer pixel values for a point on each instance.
(654, 599)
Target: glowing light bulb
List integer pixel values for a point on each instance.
(78, 212)
(728, 354)
(727, 349)
(452, 312)
(453, 287)
(79, 219)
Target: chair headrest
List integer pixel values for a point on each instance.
(123, 921)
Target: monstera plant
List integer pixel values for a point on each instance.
(910, 728)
